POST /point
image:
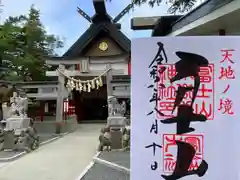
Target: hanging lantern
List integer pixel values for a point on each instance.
(89, 86)
(100, 81)
(93, 84)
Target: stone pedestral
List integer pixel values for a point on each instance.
(116, 121)
(18, 124)
(9, 140)
(116, 124)
(19, 133)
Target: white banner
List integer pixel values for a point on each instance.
(185, 119)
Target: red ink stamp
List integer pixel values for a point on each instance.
(204, 102)
(170, 150)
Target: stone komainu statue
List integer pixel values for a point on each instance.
(19, 105)
(115, 108)
(28, 140)
(123, 108)
(111, 105)
(126, 138)
(11, 103)
(15, 106)
(105, 139)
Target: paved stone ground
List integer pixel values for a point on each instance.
(8, 154)
(43, 137)
(121, 158)
(2, 164)
(63, 159)
(102, 172)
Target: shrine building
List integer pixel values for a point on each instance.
(101, 51)
(104, 51)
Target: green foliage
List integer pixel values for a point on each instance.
(175, 5)
(24, 45)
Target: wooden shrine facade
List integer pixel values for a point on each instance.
(101, 47)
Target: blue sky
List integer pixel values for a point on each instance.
(61, 18)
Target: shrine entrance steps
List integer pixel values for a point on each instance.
(65, 158)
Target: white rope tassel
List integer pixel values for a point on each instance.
(89, 86)
(84, 87)
(97, 83)
(80, 86)
(69, 86)
(73, 85)
(93, 83)
(77, 86)
(100, 81)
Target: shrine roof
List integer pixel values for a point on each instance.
(92, 32)
(203, 9)
(101, 21)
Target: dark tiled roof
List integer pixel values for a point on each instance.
(54, 58)
(100, 22)
(202, 10)
(92, 32)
